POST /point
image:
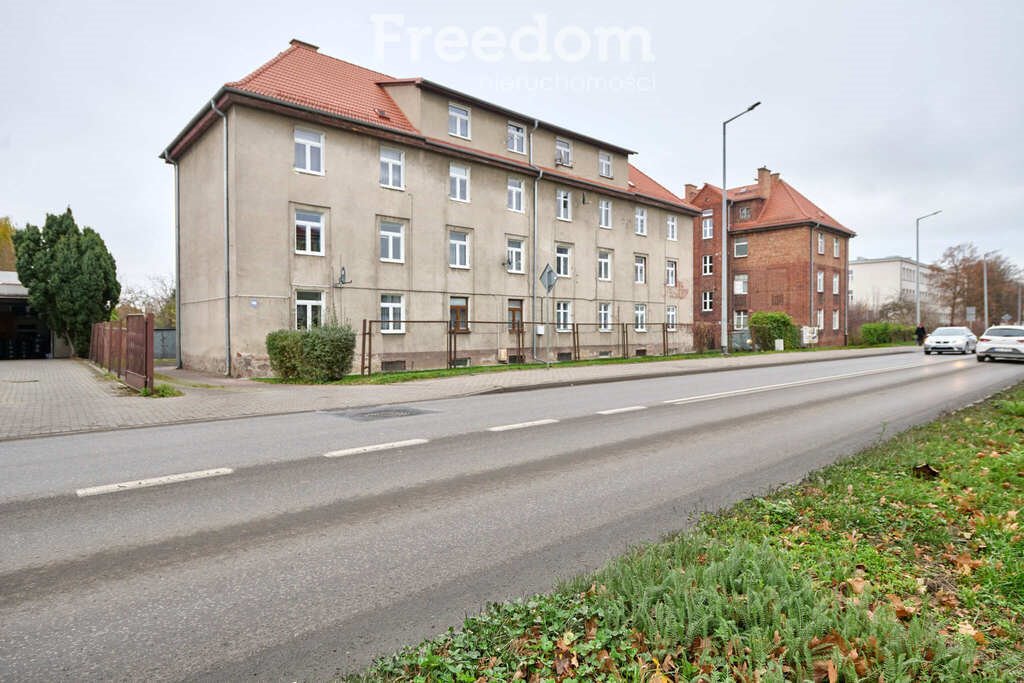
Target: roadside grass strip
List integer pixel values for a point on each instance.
(903, 563)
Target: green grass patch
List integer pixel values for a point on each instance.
(160, 391)
(903, 563)
(185, 383)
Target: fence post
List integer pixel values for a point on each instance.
(664, 339)
(362, 353)
(150, 370)
(575, 341)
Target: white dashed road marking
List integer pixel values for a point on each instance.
(155, 481)
(521, 425)
(375, 447)
(615, 411)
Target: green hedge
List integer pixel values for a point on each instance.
(885, 333)
(766, 327)
(322, 354)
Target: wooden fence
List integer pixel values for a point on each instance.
(125, 348)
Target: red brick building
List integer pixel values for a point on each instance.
(786, 255)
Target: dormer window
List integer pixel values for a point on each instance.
(744, 213)
(563, 152)
(458, 121)
(604, 164)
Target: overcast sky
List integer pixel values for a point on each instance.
(879, 112)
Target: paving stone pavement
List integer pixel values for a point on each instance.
(45, 397)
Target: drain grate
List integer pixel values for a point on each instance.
(381, 413)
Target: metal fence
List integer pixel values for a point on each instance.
(125, 348)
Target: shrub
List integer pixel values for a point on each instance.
(322, 354)
(885, 333)
(766, 327)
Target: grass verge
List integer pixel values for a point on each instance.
(160, 391)
(905, 562)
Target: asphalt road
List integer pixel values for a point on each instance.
(284, 564)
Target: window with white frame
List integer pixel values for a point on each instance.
(604, 213)
(707, 224)
(835, 319)
(707, 264)
(309, 151)
(516, 138)
(821, 319)
(392, 314)
(671, 318)
(604, 317)
(744, 213)
(392, 241)
(562, 253)
(604, 265)
(514, 255)
(458, 121)
(515, 194)
(640, 317)
(458, 182)
(458, 249)
(392, 165)
(458, 313)
(309, 309)
(641, 220)
(740, 248)
(563, 205)
(604, 164)
(639, 269)
(563, 152)
(821, 281)
(740, 283)
(835, 247)
(670, 273)
(741, 320)
(563, 316)
(672, 228)
(835, 283)
(309, 228)
(707, 301)
(821, 243)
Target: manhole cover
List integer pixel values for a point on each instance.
(380, 413)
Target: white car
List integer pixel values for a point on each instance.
(952, 339)
(1001, 341)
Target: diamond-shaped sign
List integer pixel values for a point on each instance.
(548, 277)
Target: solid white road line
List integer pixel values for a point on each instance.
(522, 425)
(155, 481)
(375, 447)
(615, 411)
(785, 385)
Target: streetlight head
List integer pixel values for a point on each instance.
(755, 105)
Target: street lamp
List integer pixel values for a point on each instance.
(725, 237)
(917, 264)
(984, 280)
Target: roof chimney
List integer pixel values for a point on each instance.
(691, 191)
(299, 43)
(764, 183)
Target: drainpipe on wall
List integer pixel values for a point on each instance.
(533, 249)
(811, 279)
(227, 249)
(177, 259)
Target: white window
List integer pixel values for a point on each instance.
(640, 317)
(392, 314)
(604, 213)
(707, 224)
(821, 319)
(672, 228)
(604, 164)
(835, 319)
(458, 182)
(604, 265)
(562, 260)
(707, 264)
(563, 316)
(639, 269)
(821, 243)
(741, 320)
(309, 227)
(563, 205)
(514, 255)
(604, 317)
(392, 165)
(744, 213)
(671, 318)
(458, 249)
(835, 283)
(392, 242)
(515, 194)
(835, 247)
(516, 138)
(740, 248)
(309, 151)
(670, 273)
(641, 220)
(707, 301)
(740, 283)
(458, 121)
(563, 152)
(821, 281)
(309, 309)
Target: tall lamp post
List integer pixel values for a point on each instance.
(917, 264)
(984, 281)
(725, 237)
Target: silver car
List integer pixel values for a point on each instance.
(1001, 341)
(951, 340)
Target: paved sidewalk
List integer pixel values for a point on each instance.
(45, 397)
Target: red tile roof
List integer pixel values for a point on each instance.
(642, 184)
(783, 206)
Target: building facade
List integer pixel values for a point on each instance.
(875, 282)
(785, 254)
(314, 191)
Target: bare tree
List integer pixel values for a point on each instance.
(951, 280)
(157, 297)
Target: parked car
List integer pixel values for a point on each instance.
(1001, 341)
(952, 339)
